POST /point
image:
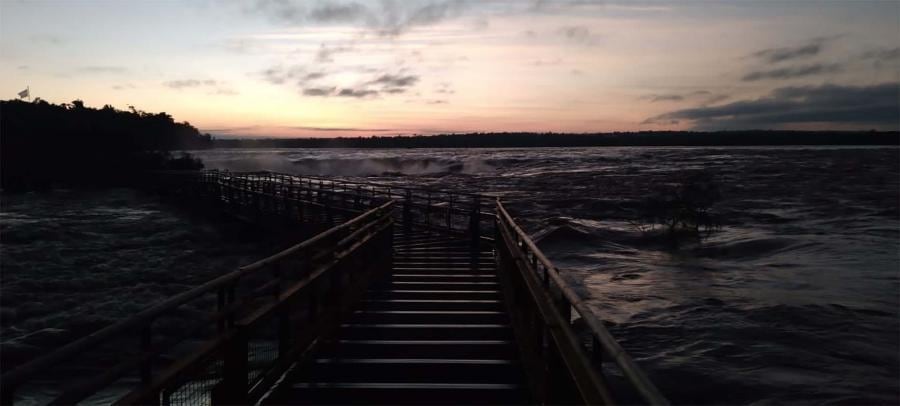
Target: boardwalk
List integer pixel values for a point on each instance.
(433, 330)
(396, 295)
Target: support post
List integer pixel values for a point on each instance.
(407, 211)
(475, 221)
(233, 388)
(146, 362)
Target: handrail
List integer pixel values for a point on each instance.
(24, 372)
(468, 213)
(378, 184)
(319, 237)
(633, 373)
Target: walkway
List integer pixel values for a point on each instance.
(434, 330)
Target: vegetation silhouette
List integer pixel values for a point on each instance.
(613, 139)
(684, 209)
(44, 144)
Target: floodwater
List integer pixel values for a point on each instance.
(795, 299)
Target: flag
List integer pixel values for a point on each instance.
(24, 94)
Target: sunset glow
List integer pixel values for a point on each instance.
(296, 69)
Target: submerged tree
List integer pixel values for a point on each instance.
(682, 208)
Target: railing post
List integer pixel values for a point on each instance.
(220, 308)
(7, 395)
(407, 210)
(597, 353)
(146, 360)
(233, 388)
(450, 213)
(475, 221)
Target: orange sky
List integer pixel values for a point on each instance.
(342, 68)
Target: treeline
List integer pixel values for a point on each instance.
(44, 144)
(614, 139)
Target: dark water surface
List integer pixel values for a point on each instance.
(76, 261)
(795, 300)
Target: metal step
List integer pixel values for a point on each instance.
(442, 285)
(431, 304)
(462, 349)
(441, 269)
(403, 393)
(430, 316)
(435, 294)
(443, 277)
(421, 331)
(423, 370)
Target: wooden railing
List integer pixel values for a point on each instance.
(560, 367)
(226, 340)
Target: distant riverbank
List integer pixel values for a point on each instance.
(614, 139)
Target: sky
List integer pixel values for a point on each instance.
(283, 68)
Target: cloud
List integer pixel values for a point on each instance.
(344, 129)
(436, 102)
(812, 48)
(713, 99)
(46, 39)
(876, 105)
(296, 74)
(792, 72)
(313, 76)
(576, 33)
(548, 62)
(319, 91)
(444, 88)
(358, 93)
(882, 57)
(325, 52)
(665, 97)
(123, 86)
(705, 96)
(385, 18)
(882, 54)
(393, 83)
(319, 83)
(187, 83)
(339, 13)
(224, 91)
(103, 69)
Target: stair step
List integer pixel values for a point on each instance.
(463, 349)
(432, 304)
(421, 331)
(443, 285)
(429, 316)
(403, 393)
(435, 294)
(420, 370)
(425, 263)
(443, 277)
(442, 269)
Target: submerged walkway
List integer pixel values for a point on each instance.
(432, 331)
(401, 295)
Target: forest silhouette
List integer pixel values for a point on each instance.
(549, 139)
(70, 144)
